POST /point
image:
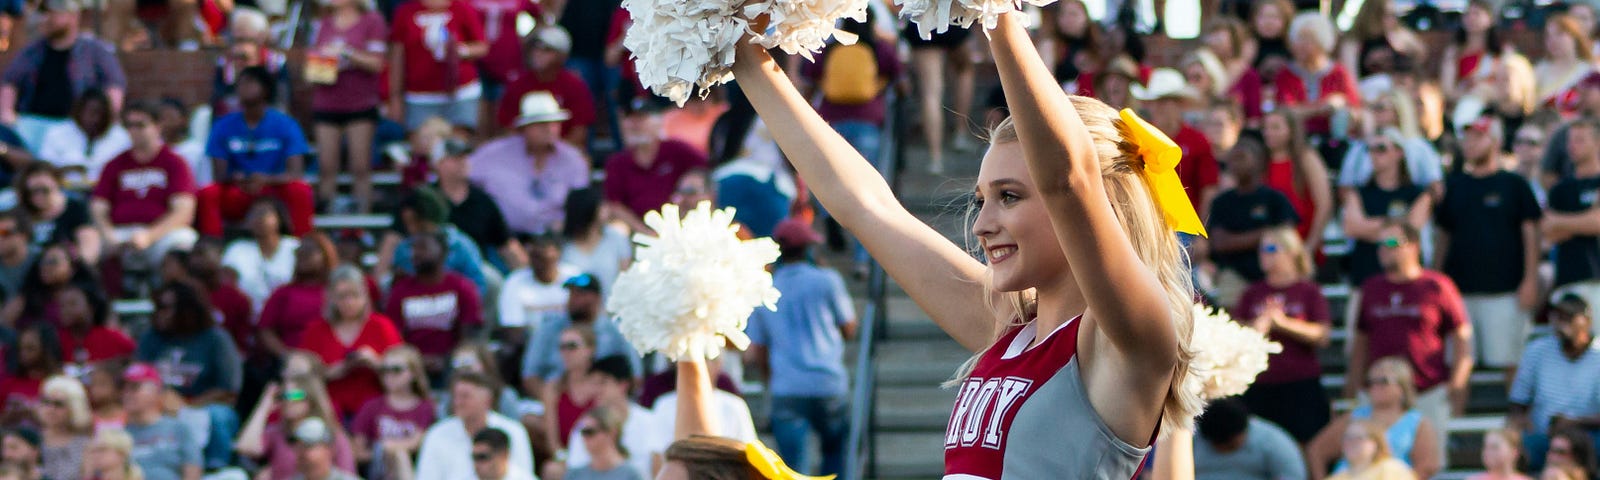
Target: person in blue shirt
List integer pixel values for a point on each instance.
(425, 211)
(541, 362)
(257, 151)
(801, 348)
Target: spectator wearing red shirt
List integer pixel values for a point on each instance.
(345, 101)
(642, 177)
(293, 307)
(388, 429)
(1314, 86)
(351, 338)
(85, 338)
(435, 308)
(431, 69)
(547, 49)
(1296, 170)
(1418, 315)
(1164, 100)
(144, 202)
(504, 55)
(1289, 307)
(38, 356)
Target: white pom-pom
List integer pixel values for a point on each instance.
(1227, 355)
(933, 16)
(693, 284)
(684, 47)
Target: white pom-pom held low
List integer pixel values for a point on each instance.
(692, 285)
(1227, 354)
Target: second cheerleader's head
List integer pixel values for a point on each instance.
(1011, 224)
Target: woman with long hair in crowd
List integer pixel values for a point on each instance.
(264, 259)
(569, 396)
(1572, 452)
(37, 357)
(351, 337)
(293, 306)
(345, 100)
(55, 217)
(1367, 455)
(1297, 171)
(1377, 43)
(476, 357)
(1390, 194)
(54, 270)
(85, 338)
(1289, 308)
(601, 431)
(1470, 57)
(1392, 412)
(1569, 57)
(1395, 110)
(65, 424)
(1269, 24)
(1085, 301)
(110, 457)
(184, 333)
(1068, 32)
(390, 428)
(301, 395)
(1502, 451)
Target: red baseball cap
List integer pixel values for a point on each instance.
(141, 373)
(795, 232)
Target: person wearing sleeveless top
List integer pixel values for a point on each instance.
(1389, 405)
(1080, 310)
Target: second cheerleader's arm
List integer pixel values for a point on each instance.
(941, 277)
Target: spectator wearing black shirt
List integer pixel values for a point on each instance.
(589, 21)
(1487, 242)
(55, 217)
(1238, 217)
(42, 82)
(1572, 222)
(1389, 194)
(473, 211)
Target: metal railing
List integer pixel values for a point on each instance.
(861, 445)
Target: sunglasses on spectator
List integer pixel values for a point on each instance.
(40, 190)
(1270, 248)
(53, 402)
(480, 457)
(1375, 381)
(566, 346)
(392, 369)
(589, 431)
(1560, 450)
(1383, 147)
(1527, 142)
(292, 395)
(1392, 242)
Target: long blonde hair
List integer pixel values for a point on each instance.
(119, 440)
(1154, 241)
(80, 420)
(1288, 240)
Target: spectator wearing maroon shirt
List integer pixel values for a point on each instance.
(85, 338)
(351, 338)
(546, 53)
(1313, 85)
(1289, 307)
(643, 176)
(388, 430)
(292, 308)
(144, 202)
(1165, 98)
(37, 357)
(345, 106)
(435, 308)
(1416, 314)
(431, 71)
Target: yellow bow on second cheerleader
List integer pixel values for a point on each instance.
(771, 465)
(1161, 157)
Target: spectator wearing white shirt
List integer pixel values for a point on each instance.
(1558, 379)
(86, 143)
(731, 411)
(532, 292)
(472, 396)
(634, 427)
(264, 260)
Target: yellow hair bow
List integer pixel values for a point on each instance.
(1161, 157)
(771, 465)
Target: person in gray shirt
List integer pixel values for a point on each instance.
(1232, 444)
(16, 250)
(162, 446)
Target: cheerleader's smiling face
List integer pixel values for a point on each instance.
(1011, 223)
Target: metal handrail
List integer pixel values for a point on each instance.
(861, 444)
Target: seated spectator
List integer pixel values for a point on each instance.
(163, 447)
(425, 211)
(38, 89)
(351, 337)
(82, 147)
(434, 309)
(22, 455)
(532, 171)
(757, 184)
(258, 151)
(1366, 452)
(55, 270)
(433, 65)
(1569, 221)
(235, 310)
(491, 458)
(591, 244)
(1289, 307)
(249, 46)
(612, 438)
(1391, 194)
(38, 357)
(476, 358)
(104, 384)
(471, 396)
(472, 210)
(345, 101)
(110, 457)
(641, 178)
(1502, 450)
(1313, 85)
(263, 260)
(16, 250)
(294, 306)
(1396, 110)
(85, 338)
(315, 452)
(176, 129)
(198, 360)
(1392, 409)
(268, 436)
(531, 292)
(1239, 218)
(387, 431)
(65, 425)
(143, 204)
(1556, 378)
(567, 396)
(1232, 444)
(545, 70)
(543, 360)
(1572, 453)
(55, 217)
(424, 145)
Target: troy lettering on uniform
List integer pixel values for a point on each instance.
(981, 411)
(143, 180)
